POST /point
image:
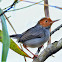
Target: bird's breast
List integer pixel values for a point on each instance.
(35, 37)
(47, 35)
(37, 42)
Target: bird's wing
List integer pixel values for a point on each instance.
(34, 32)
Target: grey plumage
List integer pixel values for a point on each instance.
(35, 36)
(34, 32)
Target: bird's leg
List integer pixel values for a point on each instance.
(39, 49)
(30, 51)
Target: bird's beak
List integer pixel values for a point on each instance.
(54, 21)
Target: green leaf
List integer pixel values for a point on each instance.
(5, 38)
(14, 46)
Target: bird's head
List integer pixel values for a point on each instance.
(45, 22)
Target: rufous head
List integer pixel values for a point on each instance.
(45, 22)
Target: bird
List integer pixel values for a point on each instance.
(35, 36)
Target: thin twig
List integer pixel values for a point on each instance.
(39, 4)
(10, 23)
(9, 7)
(27, 6)
(35, 4)
(44, 4)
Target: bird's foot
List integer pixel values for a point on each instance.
(35, 56)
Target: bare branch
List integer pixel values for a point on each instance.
(51, 49)
(55, 29)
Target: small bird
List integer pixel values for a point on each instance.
(37, 35)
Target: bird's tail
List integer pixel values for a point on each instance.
(17, 36)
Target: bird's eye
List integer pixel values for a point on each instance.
(46, 21)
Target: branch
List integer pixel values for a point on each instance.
(9, 7)
(55, 29)
(51, 49)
